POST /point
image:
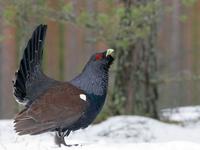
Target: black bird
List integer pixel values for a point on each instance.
(52, 105)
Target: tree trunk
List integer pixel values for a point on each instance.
(135, 89)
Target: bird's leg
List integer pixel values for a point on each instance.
(59, 132)
(60, 138)
(66, 133)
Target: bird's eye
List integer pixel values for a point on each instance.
(98, 56)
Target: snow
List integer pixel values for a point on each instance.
(116, 133)
(184, 115)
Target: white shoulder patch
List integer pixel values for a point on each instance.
(83, 97)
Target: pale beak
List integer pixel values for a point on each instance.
(109, 52)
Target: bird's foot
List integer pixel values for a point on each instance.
(70, 145)
(60, 139)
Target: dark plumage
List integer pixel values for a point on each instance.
(52, 105)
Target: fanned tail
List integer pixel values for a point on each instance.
(30, 62)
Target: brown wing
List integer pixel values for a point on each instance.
(59, 107)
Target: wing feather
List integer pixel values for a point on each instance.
(59, 107)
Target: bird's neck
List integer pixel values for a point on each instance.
(92, 81)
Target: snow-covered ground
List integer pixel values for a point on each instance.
(189, 115)
(116, 133)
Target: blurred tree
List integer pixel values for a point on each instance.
(131, 29)
(134, 88)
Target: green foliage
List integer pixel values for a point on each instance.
(67, 8)
(188, 3)
(184, 3)
(2, 38)
(103, 19)
(85, 20)
(183, 18)
(9, 14)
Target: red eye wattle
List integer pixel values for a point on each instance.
(98, 56)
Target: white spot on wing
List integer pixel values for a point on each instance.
(83, 97)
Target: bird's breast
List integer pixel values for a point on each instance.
(95, 105)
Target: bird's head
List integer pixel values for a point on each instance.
(101, 60)
(94, 77)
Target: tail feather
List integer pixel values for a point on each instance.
(27, 125)
(31, 127)
(42, 128)
(32, 58)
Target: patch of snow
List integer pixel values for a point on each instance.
(116, 133)
(184, 115)
(137, 129)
